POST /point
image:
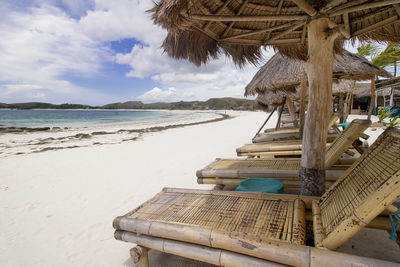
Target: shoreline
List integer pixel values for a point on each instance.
(47, 138)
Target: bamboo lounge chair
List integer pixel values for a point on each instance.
(288, 134)
(281, 148)
(232, 171)
(259, 229)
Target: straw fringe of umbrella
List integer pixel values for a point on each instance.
(205, 29)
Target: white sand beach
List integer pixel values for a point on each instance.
(57, 206)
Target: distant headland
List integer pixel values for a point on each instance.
(211, 104)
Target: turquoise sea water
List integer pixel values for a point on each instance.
(65, 118)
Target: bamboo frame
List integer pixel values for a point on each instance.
(248, 18)
(306, 7)
(364, 6)
(222, 257)
(232, 23)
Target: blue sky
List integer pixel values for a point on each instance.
(100, 51)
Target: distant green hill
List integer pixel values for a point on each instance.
(212, 103)
(40, 105)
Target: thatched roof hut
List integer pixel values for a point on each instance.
(364, 90)
(273, 98)
(199, 30)
(284, 73)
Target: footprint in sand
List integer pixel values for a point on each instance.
(3, 188)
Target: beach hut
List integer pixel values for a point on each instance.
(199, 30)
(279, 79)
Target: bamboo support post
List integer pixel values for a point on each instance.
(319, 71)
(303, 96)
(140, 254)
(372, 102)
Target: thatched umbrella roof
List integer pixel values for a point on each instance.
(364, 90)
(273, 98)
(284, 73)
(199, 30)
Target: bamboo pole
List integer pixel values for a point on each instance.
(319, 71)
(262, 126)
(248, 18)
(317, 224)
(371, 102)
(233, 252)
(292, 111)
(278, 123)
(303, 96)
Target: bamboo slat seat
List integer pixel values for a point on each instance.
(267, 226)
(239, 214)
(289, 134)
(231, 171)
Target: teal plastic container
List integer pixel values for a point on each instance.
(344, 125)
(265, 185)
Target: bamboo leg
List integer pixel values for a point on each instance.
(319, 71)
(140, 254)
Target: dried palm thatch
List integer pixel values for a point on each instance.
(273, 98)
(203, 29)
(364, 90)
(284, 73)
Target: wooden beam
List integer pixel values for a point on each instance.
(294, 27)
(258, 31)
(341, 29)
(347, 5)
(303, 34)
(220, 9)
(232, 23)
(365, 6)
(248, 18)
(332, 4)
(258, 42)
(207, 32)
(306, 7)
(376, 26)
(397, 9)
(346, 23)
(271, 24)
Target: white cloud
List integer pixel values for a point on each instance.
(169, 95)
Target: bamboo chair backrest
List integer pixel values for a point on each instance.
(344, 141)
(363, 192)
(332, 120)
